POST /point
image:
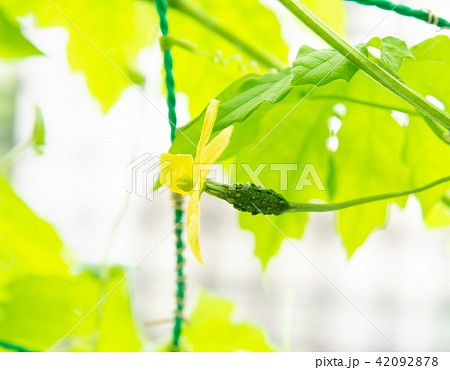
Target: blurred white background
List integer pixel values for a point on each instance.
(398, 282)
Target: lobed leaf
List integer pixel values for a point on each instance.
(375, 153)
(43, 295)
(118, 28)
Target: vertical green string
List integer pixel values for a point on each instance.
(161, 7)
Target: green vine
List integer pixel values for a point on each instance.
(253, 199)
(261, 55)
(167, 42)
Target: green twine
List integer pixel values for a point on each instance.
(426, 16)
(161, 7)
(178, 205)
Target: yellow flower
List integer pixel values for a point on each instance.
(186, 176)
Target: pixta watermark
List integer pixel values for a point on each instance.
(143, 175)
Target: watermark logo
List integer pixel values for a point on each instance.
(143, 175)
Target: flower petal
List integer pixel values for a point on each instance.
(176, 172)
(193, 224)
(216, 147)
(210, 155)
(208, 124)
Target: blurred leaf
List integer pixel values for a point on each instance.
(198, 76)
(41, 300)
(118, 28)
(211, 329)
(12, 43)
(331, 12)
(38, 132)
(439, 216)
(40, 310)
(28, 244)
(375, 154)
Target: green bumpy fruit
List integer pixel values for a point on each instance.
(254, 199)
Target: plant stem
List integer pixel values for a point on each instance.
(366, 65)
(14, 154)
(365, 102)
(309, 207)
(446, 200)
(258, 53)
(248, 199)
(168, 42)
(14, 347)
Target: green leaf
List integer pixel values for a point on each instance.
(428, 72)
(118, 28)
(299, 140)
(369, 160)
(246, 95)
(211, 329)
(27, 243)
(375, 153)
(190, 68)
(320, 67)
(39, 311)
(41, 299)
(440, 215)
(12, 43)
(393, 52)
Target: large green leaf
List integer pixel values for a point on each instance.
(43, 296)
(40, 311)
(211, 329)
(375, 153)
(12, 43)
(118, 28)
(27, 243)
(428, 72)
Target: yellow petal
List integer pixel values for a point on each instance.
(176, 172)
(216, 147)
(208, 124)
(210, 155)
(193, 224)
